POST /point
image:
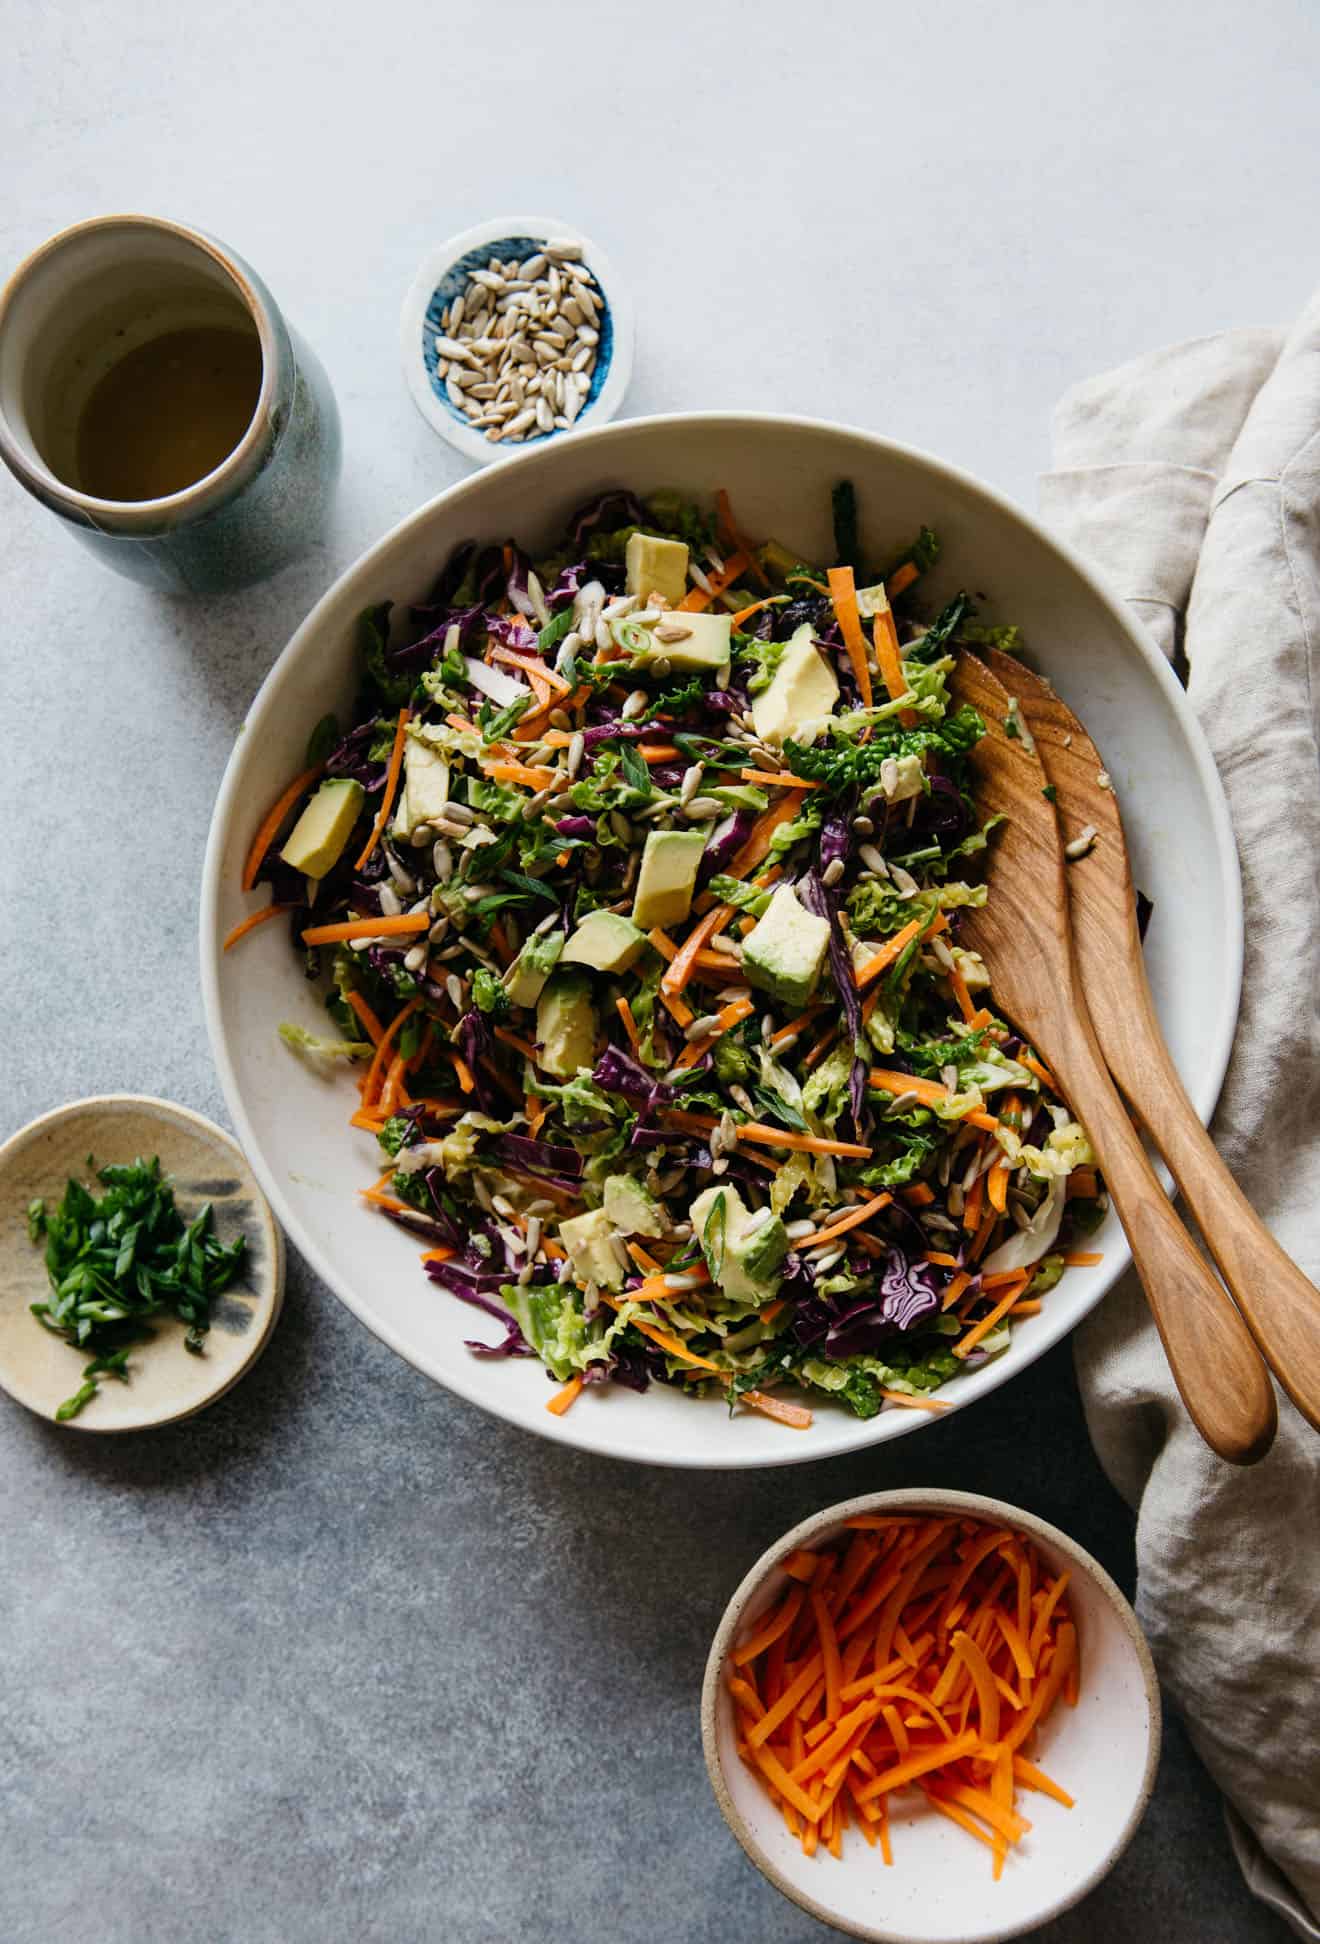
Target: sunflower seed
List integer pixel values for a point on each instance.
(564, 801)
(901, 1103)
(691, 783)
(621, 827)
(956, 1200)
(833, 871)
(943, 955)
(439, 930)
(863, 826)
(401, 877)
(701, 1028)
(703, 809)
(1081, 844)
(743, 1098)
(454, 987)
(390, 901)
(584, 358)
(576, 751)
(669, 631)
(532, 267)
(587, 334)
(634, 705)
(521, 423)
(460, 813)
(903, 881)
(563, 249)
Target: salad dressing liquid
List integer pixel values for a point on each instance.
(168, 412)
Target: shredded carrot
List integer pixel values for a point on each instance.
(269, 827)
(625, 1013)
(733, 540)
(777, 779)
(697, 600)
(894, 947)
(929, 1092)
(369, 1022)
(680, 970)
(762, 831)
(794, 1026)
(852, 1219)
(391, 785)
(728, 1017)
(919, 1193)
(900, 580)
(462, 1071)
(1042, 1073)
(912, 1402)
(1082, 1258)
(250, 923)
(380, 1057)
(843, 593)
(394, 1094)
(763, 1136)
(531, 666)
(567, 1396)
(946, 1716)
(408, 921)
(966, 1005)
(531, 778)
(965, 1345)
(519, 1045)
(745, 614)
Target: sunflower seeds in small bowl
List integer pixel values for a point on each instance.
(514, 333)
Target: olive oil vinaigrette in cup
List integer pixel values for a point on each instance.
(154, 397)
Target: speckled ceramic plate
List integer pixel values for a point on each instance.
(166, 1382)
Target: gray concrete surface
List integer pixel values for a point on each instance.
(343, 1659)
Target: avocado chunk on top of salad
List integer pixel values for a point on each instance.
(631, 1207)
(802, 693)
(668, 877)
(566, 1025)
(706, 644)
(605, 941)
(316, 843)
(525, 979)
(785, 953)
(744, 1252)
(656, 566)
(589, 1241)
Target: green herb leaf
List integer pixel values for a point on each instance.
(36, 1219)
(322, 740)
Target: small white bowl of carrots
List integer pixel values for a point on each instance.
(931, 1718)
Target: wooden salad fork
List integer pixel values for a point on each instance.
(1281, 1307)
(1023, 935)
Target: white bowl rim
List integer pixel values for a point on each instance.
(930, 1499)
(1203, 1087)
(433, 267)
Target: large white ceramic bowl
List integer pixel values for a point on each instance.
(938, 1890)
(779, 471)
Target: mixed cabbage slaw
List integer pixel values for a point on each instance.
(771, 1142)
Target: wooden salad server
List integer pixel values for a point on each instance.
(1023, 935)
(1281, 1307)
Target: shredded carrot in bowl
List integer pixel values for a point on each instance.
(914, 1659)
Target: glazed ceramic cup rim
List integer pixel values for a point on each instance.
(934, 1500)
(214, 486)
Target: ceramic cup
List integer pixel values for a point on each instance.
(97, 291)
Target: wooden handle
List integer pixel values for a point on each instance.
(1281, 1307)
(1215, 1364)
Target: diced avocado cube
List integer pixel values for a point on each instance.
(802, 692)
(425, 790)
(631, 1208)
(588, 1239)
(656, 566)
(605, 941)
(668, 877)
(784, 954)
(744, 1252)
(566, 1025)
(526, 977)
(872, 601)
(707, 643)
(778, 561)
(316, 842)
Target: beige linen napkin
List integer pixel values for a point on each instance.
(1192, 477)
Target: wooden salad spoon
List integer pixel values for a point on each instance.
(1022, 933)
(1281, 1307)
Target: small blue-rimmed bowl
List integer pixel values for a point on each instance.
(447, 270)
